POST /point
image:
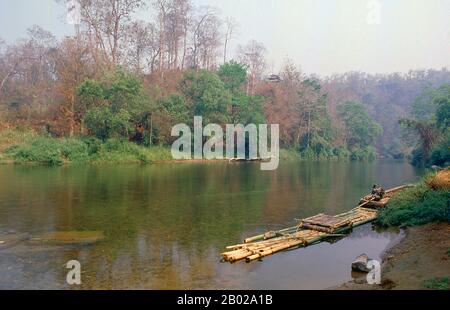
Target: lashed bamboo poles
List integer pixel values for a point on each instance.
(272, 242)
(256, 250)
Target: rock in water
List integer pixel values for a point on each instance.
(68, 237)
(360, 263)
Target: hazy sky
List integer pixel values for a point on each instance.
(321, 36)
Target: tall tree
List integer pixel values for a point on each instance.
(106, 22)
(231, 25)
(252, 54)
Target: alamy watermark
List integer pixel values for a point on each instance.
(237, 144)
(374, 275)
(74, 275)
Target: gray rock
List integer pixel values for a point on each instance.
(360, 263)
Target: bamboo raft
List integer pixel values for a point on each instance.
(308, 231)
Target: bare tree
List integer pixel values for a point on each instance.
(27, 76)
(162, 7)
(73, 64)
(231, 26)
(143, 46)
(205, 39)
(106, 21)
(252, 54)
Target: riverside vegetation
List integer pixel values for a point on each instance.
(427, 202)
(119, 85)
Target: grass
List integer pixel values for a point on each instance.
(437, 283)
(289, 154)
(417, 206)
(10, 137)
(29, 147)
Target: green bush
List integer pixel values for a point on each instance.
(121, 151)
(440, 153)
(416, 206)
(49, 151)
(41, 150)
(437, 283)
(366, 153)
(341, 152)
(289, 154)
(9, 137)
(74, 150)
(93, 144)
(103, 123)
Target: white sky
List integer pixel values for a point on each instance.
(321, 36)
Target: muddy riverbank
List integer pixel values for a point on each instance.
(421, 257)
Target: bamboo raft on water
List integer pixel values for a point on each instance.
(308, 231)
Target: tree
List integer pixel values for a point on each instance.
(72, 67)
(361, 129)
(104, 123)
(27, 75)
(233, 74)
(431, 128)
(207, 95)
(205, 39)
(106, 22)
(143, 47)
(245, 109)
(120, 96)
(252, 55)
(231, 26)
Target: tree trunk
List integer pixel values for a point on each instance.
(151, 130)
(72, 117)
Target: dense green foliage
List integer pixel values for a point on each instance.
(114, 105)
(430, 121)
(416, 206)
(437, 283)
(103, 123)
(362, 130)
(121, 105)
(50, 151)
(233, 75)
(440, 153)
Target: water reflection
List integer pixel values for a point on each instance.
(166, 224)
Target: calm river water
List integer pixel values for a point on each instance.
(165, 225)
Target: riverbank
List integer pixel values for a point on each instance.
(31, 148)
(421, 260)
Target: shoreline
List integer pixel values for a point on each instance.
(421, 254)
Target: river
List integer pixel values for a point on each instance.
(166, 224)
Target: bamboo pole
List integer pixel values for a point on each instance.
(261, 236)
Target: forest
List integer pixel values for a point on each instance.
(119, 84)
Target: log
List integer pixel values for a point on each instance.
(261, 236)
(317, 227)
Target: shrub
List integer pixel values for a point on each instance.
(93, 144)
(440, 153)
(416, 206)
(437, 283)
(74, 150)
(104, 123)
(9, 137)
(119, 150)
(41, 150)
(341, 152)
(50, 151)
